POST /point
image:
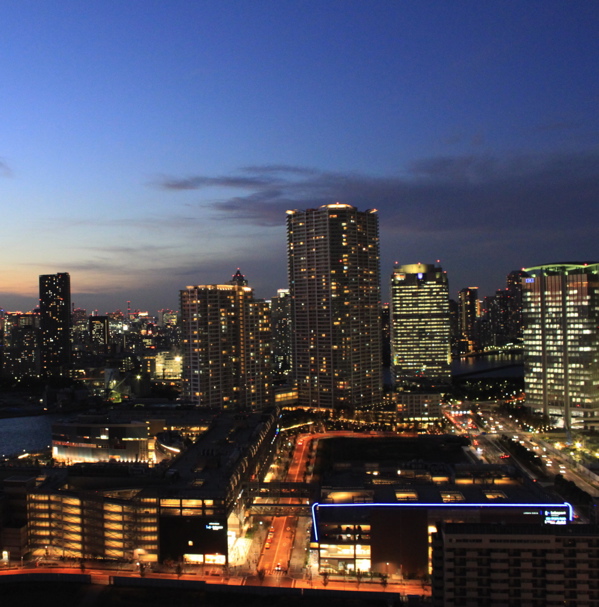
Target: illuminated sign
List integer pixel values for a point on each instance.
(529, 280)
(556, 517)
(215, 526)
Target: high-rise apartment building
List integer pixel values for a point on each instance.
(282, 330)
(561, 342)
(334, 281)
(55, 322)
(226, 346)
(420, 323)
(20, 345)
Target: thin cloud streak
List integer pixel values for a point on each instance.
(434, 194)
(197, 183)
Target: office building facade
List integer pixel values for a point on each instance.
(420, 324)
(226, 346)
(334, 281)
(561, 342)
(55, 322)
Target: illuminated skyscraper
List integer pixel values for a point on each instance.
(55, 322)
(333, 256)
(561, 342)
(420, 324)
(226, 346)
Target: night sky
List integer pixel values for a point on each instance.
(149, 145)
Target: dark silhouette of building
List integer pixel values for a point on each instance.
(55, 322)
(468, 313)
(514, 290)
(500, 320)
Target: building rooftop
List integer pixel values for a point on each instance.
(495, 529)
(419, 470)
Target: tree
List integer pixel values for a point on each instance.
(359, 575)
(384, 580)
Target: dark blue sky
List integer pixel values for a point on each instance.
(149, 145)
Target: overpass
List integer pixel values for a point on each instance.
(278, 498)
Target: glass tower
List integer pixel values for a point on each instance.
(420, 324)
(334, 282)
(561, 342)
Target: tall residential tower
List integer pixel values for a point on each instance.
(226, 346)
(335, 289)
(420, 324)
(561, 342)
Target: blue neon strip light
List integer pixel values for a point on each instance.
(317, 505)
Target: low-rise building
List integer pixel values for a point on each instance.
(382, 499)
(187, 510)
(515, 565)
(93, 438)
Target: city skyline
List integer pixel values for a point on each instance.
(145, 147)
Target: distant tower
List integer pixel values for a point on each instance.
(420, 324)
(99, 333)
(561, 342)
(226, 346)
(469, 310)
(55, 322)
(514, 290)
(282, 332)
(334, 281)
